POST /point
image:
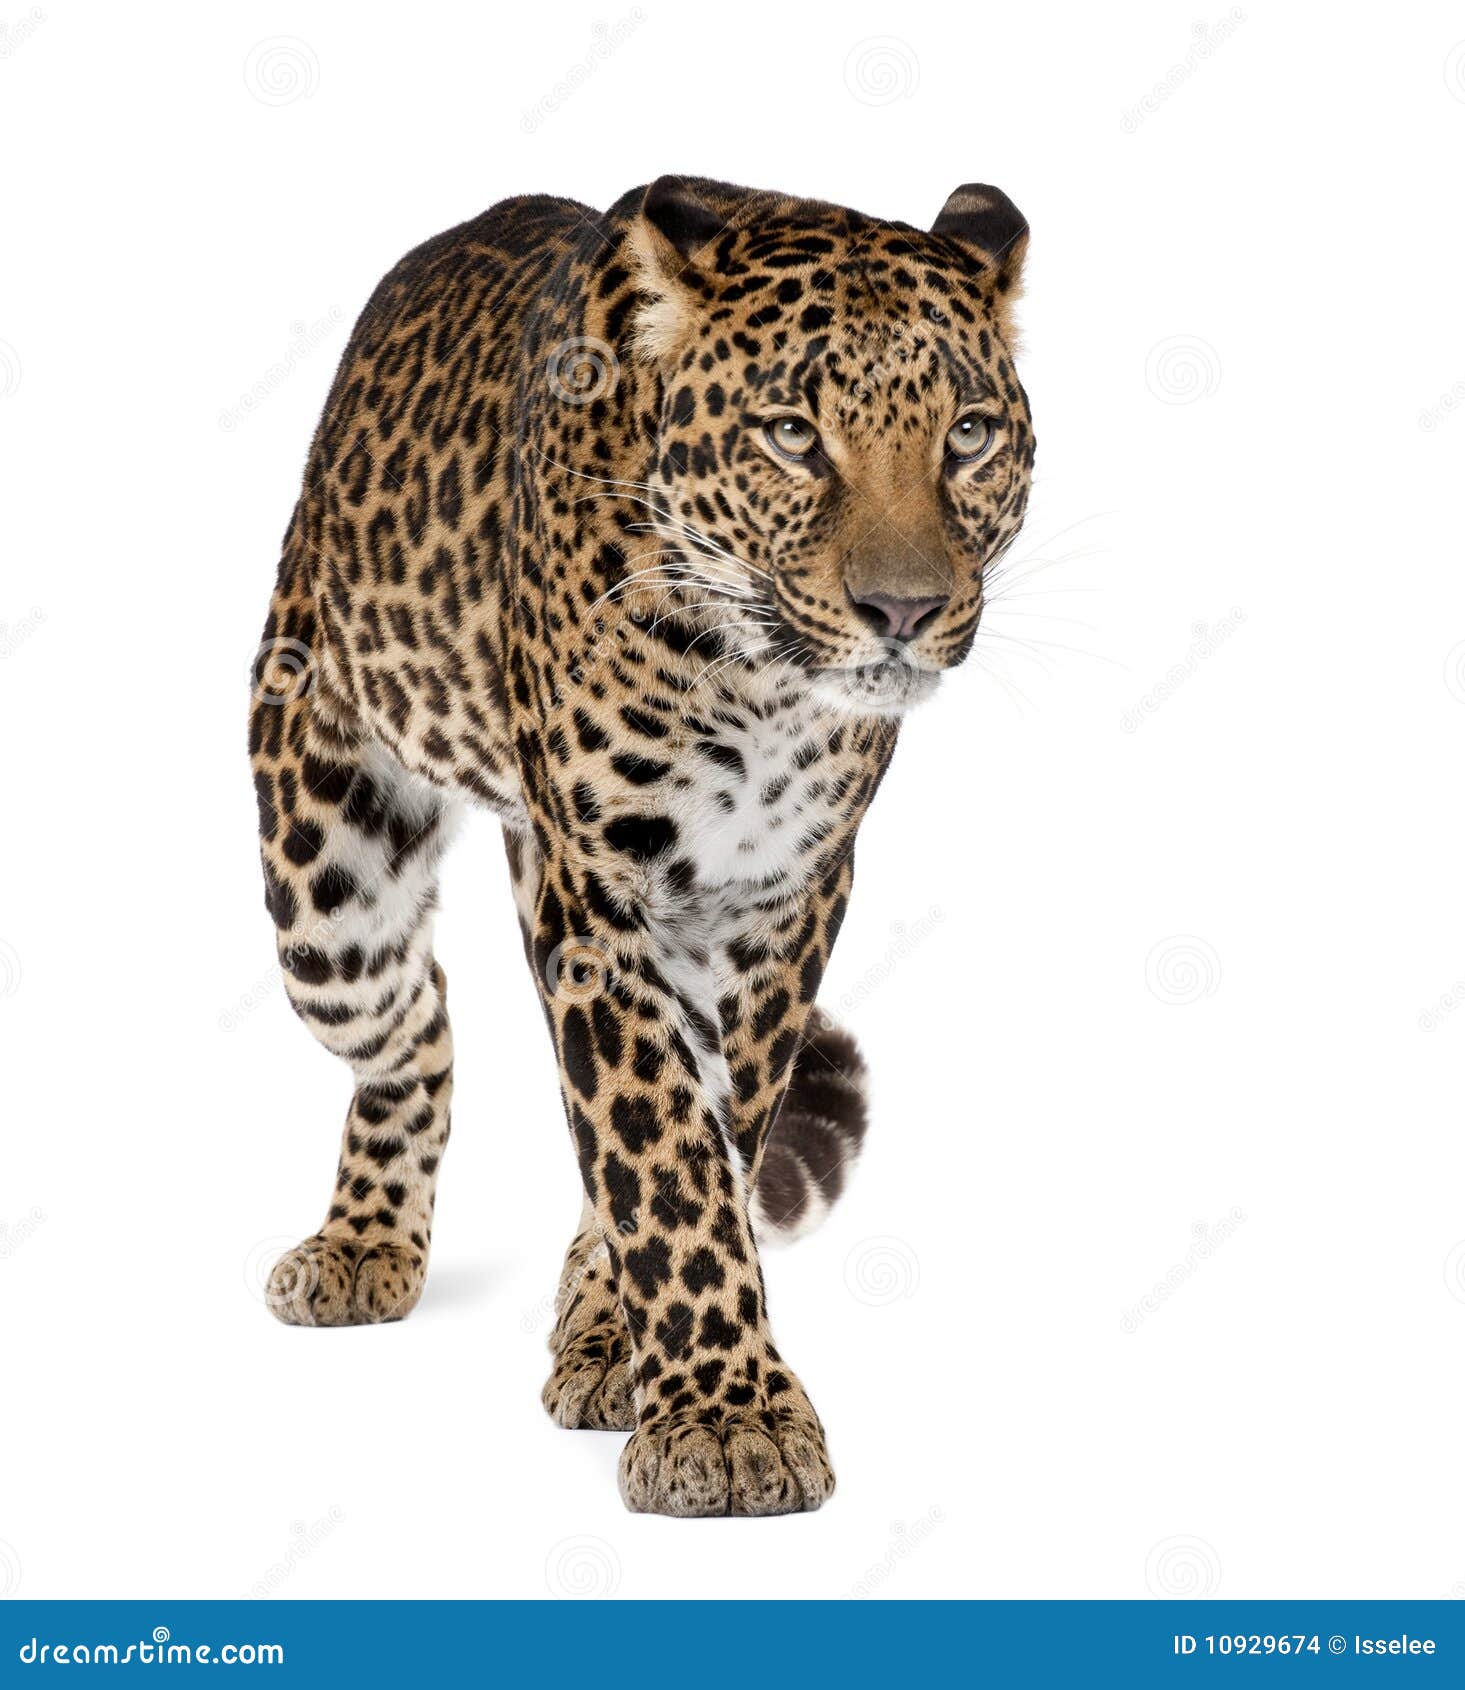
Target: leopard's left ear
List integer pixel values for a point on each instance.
(981, 216)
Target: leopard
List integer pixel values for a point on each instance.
(644, 530)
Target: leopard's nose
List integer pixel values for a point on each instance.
(898, 619)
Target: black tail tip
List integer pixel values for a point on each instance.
(817, 1135)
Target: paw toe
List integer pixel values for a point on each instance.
(681, 1472)
(760, 1483)
(806, 1461)
(388, 1284)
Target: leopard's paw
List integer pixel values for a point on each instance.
(753, 1464)
(337, 1282)
(591, 1383)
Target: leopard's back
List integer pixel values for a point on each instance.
(396, 556)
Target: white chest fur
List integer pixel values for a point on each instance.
(754, 795)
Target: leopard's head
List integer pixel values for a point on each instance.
(844, 446)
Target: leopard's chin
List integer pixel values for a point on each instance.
(887, 688)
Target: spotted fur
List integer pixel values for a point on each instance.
(556, 555)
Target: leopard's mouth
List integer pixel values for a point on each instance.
(887, 678)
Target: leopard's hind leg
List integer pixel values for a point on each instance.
(350, 843)
(590, 1383)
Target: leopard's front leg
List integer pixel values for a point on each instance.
(724, 1427)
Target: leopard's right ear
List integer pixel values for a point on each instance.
(679, 221)
(672, 229)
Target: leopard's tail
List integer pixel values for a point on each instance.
(815, 1138)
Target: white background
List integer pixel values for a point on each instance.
(1154, 930)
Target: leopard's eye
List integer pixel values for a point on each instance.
(792, 436)
(969, 437)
